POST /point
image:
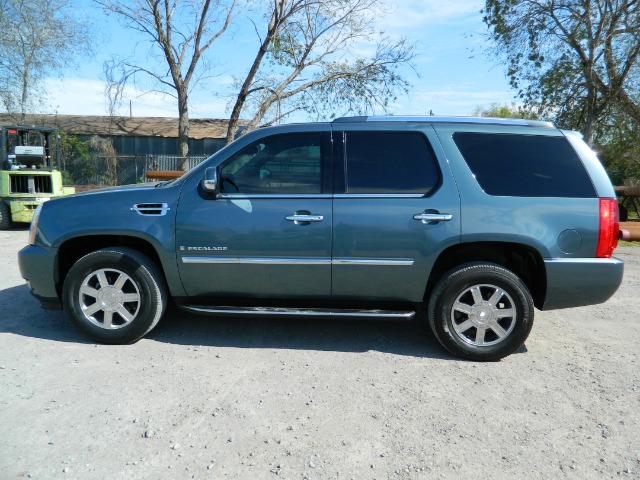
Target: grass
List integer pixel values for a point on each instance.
(624, 243)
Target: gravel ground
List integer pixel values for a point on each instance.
(251, 399)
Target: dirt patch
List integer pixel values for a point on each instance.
(209, 398)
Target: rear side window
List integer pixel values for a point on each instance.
(524, 165)
(390, 162)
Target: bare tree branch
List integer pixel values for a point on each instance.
(307, 45)
(162, 22)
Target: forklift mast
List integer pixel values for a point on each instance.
(26, 147)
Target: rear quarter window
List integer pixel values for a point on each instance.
(524, 165)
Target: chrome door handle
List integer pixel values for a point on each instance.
(304, 218)
(433, 217)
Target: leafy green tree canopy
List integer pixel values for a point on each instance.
(577, 60)
(497, 110)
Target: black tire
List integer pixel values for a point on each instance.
(114, 295)
(481, 311)
(5, 216)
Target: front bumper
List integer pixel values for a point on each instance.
(575, 282)
(38, 266)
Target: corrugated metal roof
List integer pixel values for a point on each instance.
(166, 127)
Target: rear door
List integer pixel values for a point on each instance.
(396, 208)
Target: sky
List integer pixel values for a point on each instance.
(453, 72)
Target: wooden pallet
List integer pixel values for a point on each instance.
(163, 174)
(630, 231)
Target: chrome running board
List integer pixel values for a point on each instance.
(308, 312)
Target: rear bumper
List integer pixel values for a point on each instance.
(575, 282)
(38, 267)
(22, 210)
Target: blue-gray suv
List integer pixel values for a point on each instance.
(468, 222)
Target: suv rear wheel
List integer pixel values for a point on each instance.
(481, 311)
(114, 295)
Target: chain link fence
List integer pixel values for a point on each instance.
(109, 171)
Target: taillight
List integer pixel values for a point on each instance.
(609, 228)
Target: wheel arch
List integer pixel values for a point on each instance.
(522, 260)
(74, 249)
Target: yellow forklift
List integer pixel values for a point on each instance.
(29, 172)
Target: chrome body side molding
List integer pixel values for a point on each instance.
(382, 262)
(257, 260)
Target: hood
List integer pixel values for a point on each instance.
(121, 188)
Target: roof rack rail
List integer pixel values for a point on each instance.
(444, 119)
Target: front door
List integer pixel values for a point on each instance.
(268, 233)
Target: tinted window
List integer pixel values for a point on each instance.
(389, 162)
(525, 165)
(288, 164)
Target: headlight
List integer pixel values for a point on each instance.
(34, 225)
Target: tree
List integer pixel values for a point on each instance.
(180, 32)
(618, 147)
(75, 159)
(38, 39)
(303, 62)
(497, 110)
(576, 59)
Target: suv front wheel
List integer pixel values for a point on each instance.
(114, 295)
(481, 311)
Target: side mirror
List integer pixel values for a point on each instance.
(210, 181)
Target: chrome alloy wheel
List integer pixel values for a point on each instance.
(483, 315)
(109, 298)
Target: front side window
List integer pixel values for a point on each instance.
(389, 163)
(281, 164)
